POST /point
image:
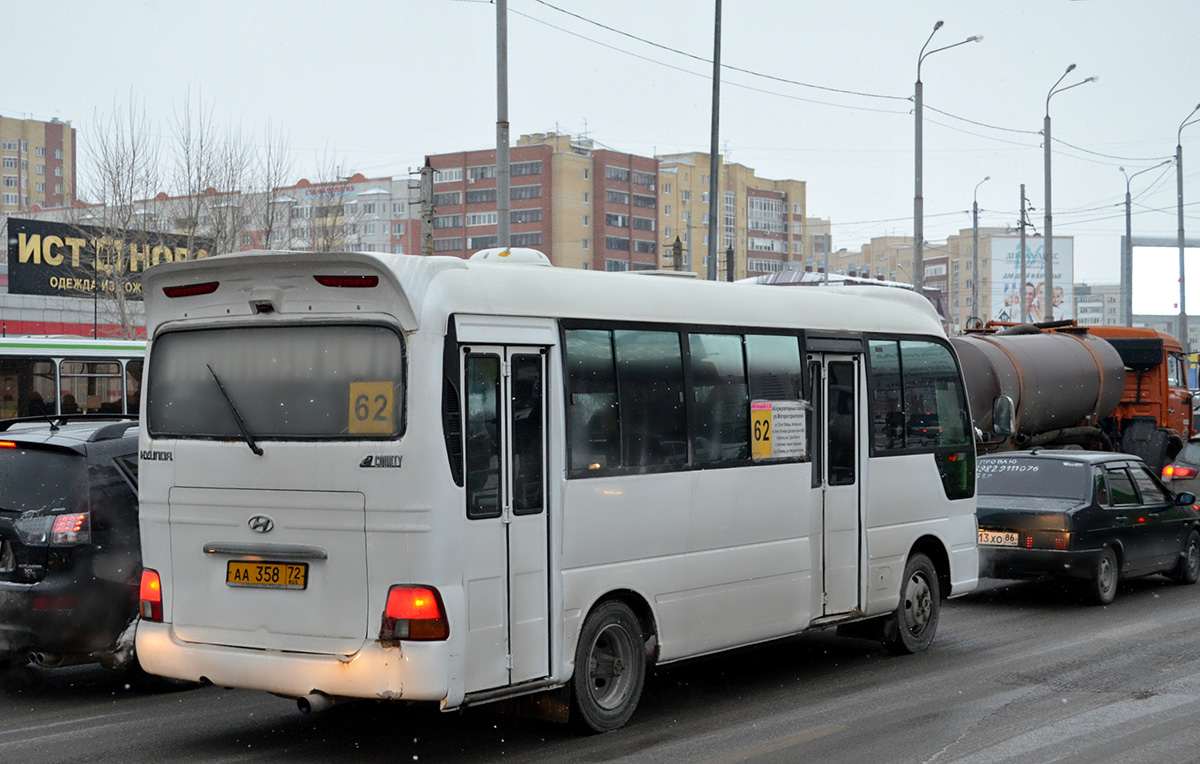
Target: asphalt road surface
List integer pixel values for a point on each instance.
(1019, 672)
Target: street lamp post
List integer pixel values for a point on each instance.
(1048, 299)
(918, 200)
(975, 247)
(1183, 322)
(1127, 266)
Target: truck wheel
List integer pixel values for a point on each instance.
(1103, 585)
(915, 622)
(610, 668)
(1188, 569)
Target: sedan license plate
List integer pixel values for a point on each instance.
(267, 575)
(997, 538)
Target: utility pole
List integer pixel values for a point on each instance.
(713, 156)
(427, 209)
(1021, 285)
(729, 265)
(503, 202)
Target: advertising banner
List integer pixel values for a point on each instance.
(1007, 290)
(68, 260)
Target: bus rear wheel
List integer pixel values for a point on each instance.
(610, 668)
(915, 621)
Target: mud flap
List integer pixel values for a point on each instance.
(1145, 439)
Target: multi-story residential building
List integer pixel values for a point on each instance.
(356, 213)
(1098, 305)
(582, 206)
(38, 161)
(761, 220)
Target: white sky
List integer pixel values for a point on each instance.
(382, 83)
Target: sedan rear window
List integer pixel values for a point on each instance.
(1015, 476)
(285, 382)
(41, 480)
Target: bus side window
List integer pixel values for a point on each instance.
(592, 429)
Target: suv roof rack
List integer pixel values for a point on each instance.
(57, 420)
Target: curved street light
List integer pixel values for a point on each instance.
(918, 200)
(1127, 264)
(975, 247)
(1183, 322)
(1048, 299)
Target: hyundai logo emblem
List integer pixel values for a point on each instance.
(261, 524)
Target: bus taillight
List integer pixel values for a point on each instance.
(151, 596)
(191, 290)
(414, 612)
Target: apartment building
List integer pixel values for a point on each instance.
(761, 220)
(39, 160)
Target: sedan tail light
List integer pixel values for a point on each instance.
(1059, 540)
(1178, 471)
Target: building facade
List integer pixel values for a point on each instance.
(39, 160)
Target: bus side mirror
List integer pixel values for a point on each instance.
(1003, 416)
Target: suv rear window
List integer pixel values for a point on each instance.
(39, 479)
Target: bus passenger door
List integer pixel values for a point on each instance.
(840, 446)
(506, 550)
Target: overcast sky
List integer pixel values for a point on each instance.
(380, 84)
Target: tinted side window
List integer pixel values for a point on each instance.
(774, 367)
(1100, 489)
(917, 400)
(1121, 489)
(721, 399)
(650, 384)
(887, 413)
(591, 400)
(1152, 492)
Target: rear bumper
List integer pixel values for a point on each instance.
(417, 671)
(64, 617)
(1014, 562)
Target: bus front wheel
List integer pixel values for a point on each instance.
(911, 628)
(610, 668)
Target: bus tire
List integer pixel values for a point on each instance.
(610, 668)
(915, 622)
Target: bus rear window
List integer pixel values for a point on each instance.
(286, 382)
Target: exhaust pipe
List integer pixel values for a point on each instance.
(314, 702)
(46, 660)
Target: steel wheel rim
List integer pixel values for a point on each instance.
(610, 669)
(1107, 575)
(918, 604)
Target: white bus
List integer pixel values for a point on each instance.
(432, 479)
(49, 376)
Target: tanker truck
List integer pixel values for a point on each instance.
(1096, 387)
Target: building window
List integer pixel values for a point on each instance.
(482, 242)
(57, 152)
(481, 171)
(667, 231)
(482, 218)
(454, 244)
(10, 181)
(643, 224)
(482, 196)
(619, 174)
(667, 210)
(368, 208)
(704, 197)
(447, 221)
(368, 229)
(10, 144)
(41, 188)
(397, 208)
(58, 172)
(532, 239)
(397, 229)
(641, 200)
(585, 243)
(397, 249)
(616, 242)
(10, 198)
(586, 174)
(247, 240)
(41, 169)
(533, 215)
(765, 214)
(585, 221)
(586, 197)
(616, 265)
(526, 192)
(666, 188)
(616, 220)
(643, 178)
(526, 168)
(448, 176)
(687, 196)
(40, 151)
(644, 246)
(616, 197)
(760, 265)
(10, 163)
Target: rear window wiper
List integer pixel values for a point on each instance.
(236, 415)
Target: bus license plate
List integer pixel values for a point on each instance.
(267, 575)
(997, 538)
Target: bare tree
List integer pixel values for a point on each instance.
(271, 171)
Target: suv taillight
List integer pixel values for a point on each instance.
(72, 529)
(414, 612)
(151, 596)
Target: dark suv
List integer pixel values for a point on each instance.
(70, 557)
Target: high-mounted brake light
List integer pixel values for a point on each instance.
(191, 290)
(68, 530)
(151, 596)
(7, 444)
(414, 612)
(1177, 472)
(351, 282)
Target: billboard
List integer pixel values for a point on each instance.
(67, 260)
(1155, 273)
(1005, 279)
